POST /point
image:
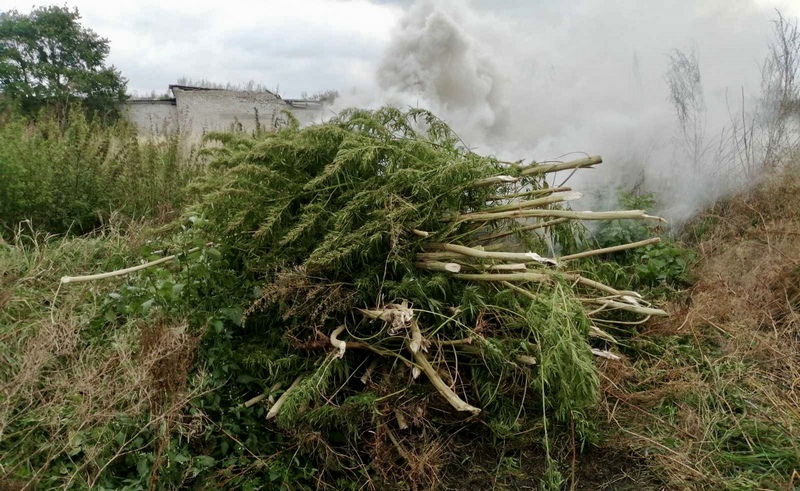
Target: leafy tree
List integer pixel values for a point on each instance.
(47, 58)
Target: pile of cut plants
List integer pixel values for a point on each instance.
(406, 289)
(409, 286)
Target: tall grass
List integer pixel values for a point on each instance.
(68, 172)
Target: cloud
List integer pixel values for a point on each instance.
(305, 45)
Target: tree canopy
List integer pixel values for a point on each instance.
(47, 57)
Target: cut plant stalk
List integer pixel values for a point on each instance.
(610, 250)
(528, 277)
(341, 346)
(573, 215)
(534, 192)
(282, 399)
(525, 228)
(525, 257)
(534, 203)
(121, 272)
(439, 266)
(455, 401)
(535, 169)
(637, 309)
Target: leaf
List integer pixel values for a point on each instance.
(205, 461)
(233, 314)
(143, 466)
(180, 458)
(146, 305)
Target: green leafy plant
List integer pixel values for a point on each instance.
(74, 176)
(48, 58)
(665, 263)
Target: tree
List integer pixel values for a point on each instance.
(48, 58)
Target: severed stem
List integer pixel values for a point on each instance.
(536, 169)
(417, 343)
(526, 257)
(637, 309)
(559, 166)
(521, 205)
(526, 228)
(340, 345)
(609, 250)
(536, 277)
(439, 266)
(535, 192)
(120, 272)
(574, 215)
(282, 399)
(255, 400)
(455, 401)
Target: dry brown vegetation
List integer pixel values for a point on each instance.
(70, 388)
(713, 400)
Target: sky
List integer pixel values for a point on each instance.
(299, 45)
(532, 79)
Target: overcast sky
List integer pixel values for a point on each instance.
(299, 45)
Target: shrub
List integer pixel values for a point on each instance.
(69, 173)
(666, 263)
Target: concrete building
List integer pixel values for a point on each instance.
(195, 111)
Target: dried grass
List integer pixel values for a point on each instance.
(716, 404)
(64, 392)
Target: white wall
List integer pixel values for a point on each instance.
(201, 111)
(152, 117)
(196, 112)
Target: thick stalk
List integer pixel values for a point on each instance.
(559, 166)
(455, 401)
(279, 403)
(573, 215)
(255, 400)
(637, 309)
(537, 169)
(493, 181)
(439, 266)
(120, 272)
(535, 277)
(525, 257)
(609, 250)
(340, 345)
(526, 228)
(534, 203)
(417, 342)
(535, 192)
(598, 286)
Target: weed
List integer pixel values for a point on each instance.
(71, 173)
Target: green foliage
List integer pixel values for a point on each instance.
(47, 57)
(320, 220)
(308, 226)
(73, 176)
(666, 263)
(123, 408)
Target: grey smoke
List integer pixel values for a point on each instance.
(544, 80)
(433, 57)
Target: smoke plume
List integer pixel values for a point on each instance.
(542, 81)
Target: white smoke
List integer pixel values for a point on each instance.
(433, 57)
(542, 81)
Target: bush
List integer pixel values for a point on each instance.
(68, 173)
(339, 228)
(664, 264)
